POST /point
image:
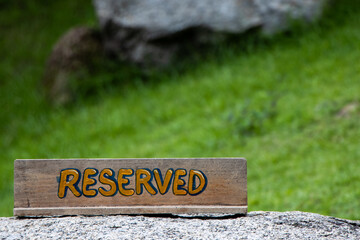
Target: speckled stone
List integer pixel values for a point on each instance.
(256, 225)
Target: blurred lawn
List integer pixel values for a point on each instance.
(274, 101)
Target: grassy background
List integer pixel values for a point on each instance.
(273, 100)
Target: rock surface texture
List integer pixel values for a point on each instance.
(134, 29)
(256, 225)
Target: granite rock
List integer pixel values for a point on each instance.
(256, 225)
(138, 30)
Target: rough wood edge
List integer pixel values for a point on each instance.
(23, 212)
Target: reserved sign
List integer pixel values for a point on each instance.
(46, 187)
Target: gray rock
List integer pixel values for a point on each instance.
(256, 225)
(133, 28)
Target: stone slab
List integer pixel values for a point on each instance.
(256, 225)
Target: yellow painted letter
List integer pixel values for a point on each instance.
(122, 182)
(88, 181)
(146, 181)
(72, 184)
(107, 177)
(193, 190)
(179, 183)
(163, 185)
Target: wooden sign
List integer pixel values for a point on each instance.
(129, 186)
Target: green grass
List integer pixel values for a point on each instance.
(271, 100)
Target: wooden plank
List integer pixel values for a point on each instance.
(45, 187)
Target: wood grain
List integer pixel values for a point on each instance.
(37, 184)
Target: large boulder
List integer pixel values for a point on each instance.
(256, 225)
(152, 30)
